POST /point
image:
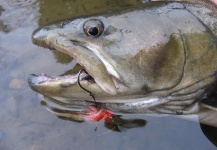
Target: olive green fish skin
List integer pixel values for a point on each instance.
(156, 58)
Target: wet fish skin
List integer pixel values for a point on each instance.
(156, 58)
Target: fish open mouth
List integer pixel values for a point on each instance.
(96, 70)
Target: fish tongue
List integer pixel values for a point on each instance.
(87, 59)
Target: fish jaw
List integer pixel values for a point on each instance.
(100, 70)
(56, 87)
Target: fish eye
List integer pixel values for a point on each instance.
(93, 27)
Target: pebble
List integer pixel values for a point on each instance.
(17, 84)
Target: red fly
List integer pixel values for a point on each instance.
(94, 113)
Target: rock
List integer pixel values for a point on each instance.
(16, 84)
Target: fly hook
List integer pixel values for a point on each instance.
(79, 73)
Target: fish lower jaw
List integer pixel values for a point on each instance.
(45, 79)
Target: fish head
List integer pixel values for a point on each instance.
(127, 55)
(111, 50)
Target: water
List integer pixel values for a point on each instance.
(26, 125)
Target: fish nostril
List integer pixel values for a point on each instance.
(35, 33)
(31, 78)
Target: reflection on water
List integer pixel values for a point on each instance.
(25, 124)
(210, 133)
(91, 112)
(15, 14)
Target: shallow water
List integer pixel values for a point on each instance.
(25, 124)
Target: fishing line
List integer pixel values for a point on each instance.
(79, 73)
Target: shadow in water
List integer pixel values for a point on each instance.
(119, 124)
(210, 132)
(92, 113)
(87, 111)
(3, 27)
(50, 9)
(207, 115)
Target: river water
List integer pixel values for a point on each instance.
(26, 125)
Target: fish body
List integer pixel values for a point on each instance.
(156, 58)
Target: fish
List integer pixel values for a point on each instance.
(156, 58)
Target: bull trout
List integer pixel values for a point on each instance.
(160, 57)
